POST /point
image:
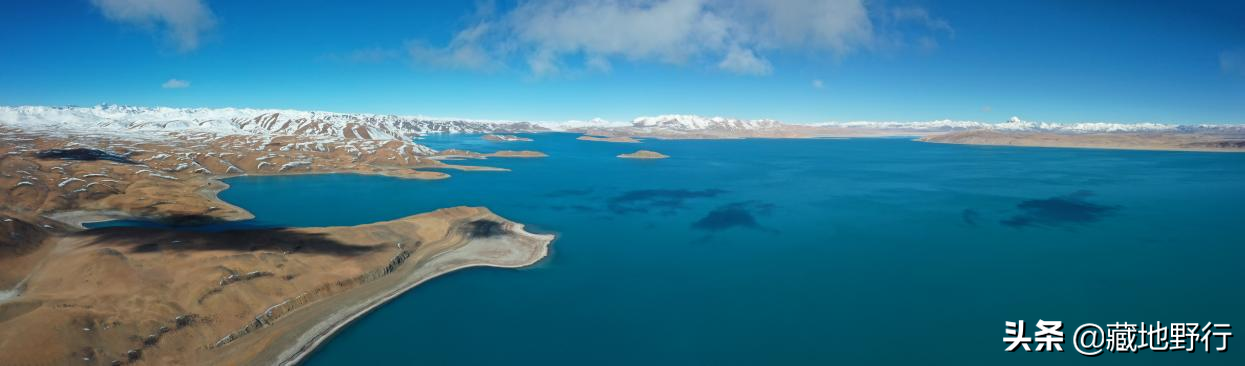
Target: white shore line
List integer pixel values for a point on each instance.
(308, 345)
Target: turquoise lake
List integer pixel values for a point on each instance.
(802, 252)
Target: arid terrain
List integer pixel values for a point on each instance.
(165, 297)
(95, 177)
(179, 297)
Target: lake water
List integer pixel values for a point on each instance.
(810, 252)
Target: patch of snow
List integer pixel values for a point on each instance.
(154, 174)
(67, 181)
(581, 125)
(6, 295)
(294, 164)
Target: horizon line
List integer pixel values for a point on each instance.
(604, 121)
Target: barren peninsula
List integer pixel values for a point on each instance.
(166, 296)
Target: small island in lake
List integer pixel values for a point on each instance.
(505, 138)
(644, 154)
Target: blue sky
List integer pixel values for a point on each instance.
(797, 60)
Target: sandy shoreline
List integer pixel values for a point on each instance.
(324, 330)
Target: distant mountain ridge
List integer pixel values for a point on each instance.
(687, 122)
(143, 121)
(1015, 124)
(243, 121)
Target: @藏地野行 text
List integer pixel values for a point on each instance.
(1092, 340)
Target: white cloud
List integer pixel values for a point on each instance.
(656, 30)
(818, 84)
(841, 26)
(911, 27)
(465, 51)
(175, 84)
(599, 63)
(182, 21)
(554, 36)
(921, 16)
(1232, 62)
(742, 61)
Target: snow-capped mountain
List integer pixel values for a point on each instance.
(154, 122)
(577, 125)
(682, 122)
(242, 121)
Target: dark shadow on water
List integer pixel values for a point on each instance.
(665, 200)
(735, 215)
(1060, 211)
